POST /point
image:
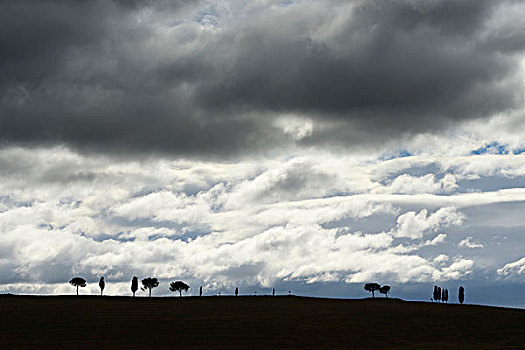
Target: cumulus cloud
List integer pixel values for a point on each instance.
(515, 268)
(414, 225)
(227, 78)
(292, 220)
(469, 243)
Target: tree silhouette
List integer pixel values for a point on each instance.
(134, 284)
(101, 284)
(78, 282)
(273, 292)
(461, 295)
(437, 294)
(179, 286)
(372, 287)
(444, 295)
(149, 283)
(236, 291)
(384, 290)
(200, 292)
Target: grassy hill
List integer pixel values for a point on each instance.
(68, 322)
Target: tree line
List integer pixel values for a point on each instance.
(441, 295)
(438, 295)
(147, 284)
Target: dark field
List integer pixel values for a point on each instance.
(253, 323)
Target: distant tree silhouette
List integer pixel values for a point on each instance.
(134, 284)
(461, 295)
(149, 283)
(78, 282)
(179, 286)
(384, 290)
(444, 295)
(273, 292)
(101, 284)
(437, 294)
(372, 287)
(200, 292)
(236, 291)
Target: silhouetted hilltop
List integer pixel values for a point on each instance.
(248, 322)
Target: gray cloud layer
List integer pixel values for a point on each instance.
(213, 77)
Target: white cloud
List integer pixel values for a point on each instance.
(468, 243)
(516, 268)
(414, 225)
(288, 220)
(458, 269)
(407, 184)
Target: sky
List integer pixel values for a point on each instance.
(306, 146)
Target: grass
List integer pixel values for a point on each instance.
(253, 323)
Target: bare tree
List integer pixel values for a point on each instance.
(179, 286)
(78, 282)
(149, 283)
(372, 287)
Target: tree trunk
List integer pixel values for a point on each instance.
(77, 290)
(180, 293)
(133, 294)
(373, 296)
(150, 292)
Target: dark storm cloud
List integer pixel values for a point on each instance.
(142, 76)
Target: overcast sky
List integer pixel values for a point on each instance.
(310, 146)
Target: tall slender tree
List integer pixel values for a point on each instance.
(200, 292)
(134, 284)
(102, 285)
(461, 295)
(236, 291)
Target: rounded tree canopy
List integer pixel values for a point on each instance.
(370, 287)
(150, 282)
(179, 286)
(78, 282)
(384, 289)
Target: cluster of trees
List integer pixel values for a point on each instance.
(372, 287)
(147, 284)
(440, 295)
